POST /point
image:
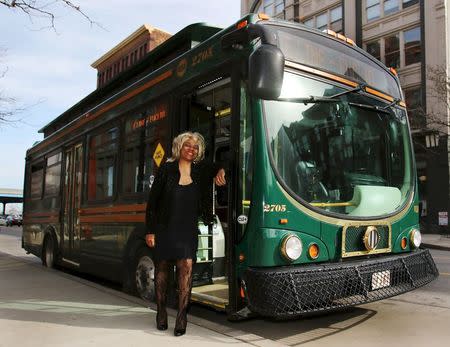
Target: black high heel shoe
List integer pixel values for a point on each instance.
(161, 324)
(180, 324)
(179, 332)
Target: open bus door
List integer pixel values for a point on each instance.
(207, 110)
(72, 199)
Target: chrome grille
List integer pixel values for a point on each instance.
(353, 240)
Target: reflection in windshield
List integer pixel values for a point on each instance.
(339, 156)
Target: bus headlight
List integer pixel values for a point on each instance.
(291, 247)
(415, 238)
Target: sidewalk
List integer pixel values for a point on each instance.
(436, 241)
(44, 307)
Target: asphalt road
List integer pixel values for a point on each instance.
(418, 318)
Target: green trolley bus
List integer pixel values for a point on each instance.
(321, 208)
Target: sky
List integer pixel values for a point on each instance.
(47, 71)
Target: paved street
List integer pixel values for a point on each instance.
(43, 307)
(40, 307)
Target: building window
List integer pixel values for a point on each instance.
(53, 175)
(100, 78)
(124, 63)
(412, 46)
(372, 9)
(373, 48)
(331, 19)
(268, 7)
(336, 19)
(390, 6)
(101, 165)
(407, 3)
(273, 7)
(392, 51)
(259, 7)
(309, 22)
(108, 74)
(413, 99)
(322, 21)
(279, 6)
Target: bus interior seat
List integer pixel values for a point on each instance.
(310, 186)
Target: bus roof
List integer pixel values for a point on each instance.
(193, 37)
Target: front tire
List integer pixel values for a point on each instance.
(144, 280)
(48, 254)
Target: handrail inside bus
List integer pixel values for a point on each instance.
(316, 204)
(332, 204)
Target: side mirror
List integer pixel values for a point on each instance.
(266, 67)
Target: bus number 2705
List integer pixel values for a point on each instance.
(274, 208)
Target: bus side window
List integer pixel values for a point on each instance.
(103, 150)
(145, 146)
(53, 175)
(158, 144)
(37, 180)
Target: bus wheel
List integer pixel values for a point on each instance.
(145, 275)
(48, 256)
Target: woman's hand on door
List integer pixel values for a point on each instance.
(150, 240)
(220, 178)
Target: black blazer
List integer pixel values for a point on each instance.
(167, 178)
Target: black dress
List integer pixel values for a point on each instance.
(179, 239)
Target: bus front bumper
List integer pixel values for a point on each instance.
(287, 292)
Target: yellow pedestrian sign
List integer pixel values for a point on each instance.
(158, 155)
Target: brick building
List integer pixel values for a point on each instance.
(127, 53)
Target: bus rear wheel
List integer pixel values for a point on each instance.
(145, 275)
(48, 256)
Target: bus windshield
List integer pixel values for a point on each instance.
(350, 155)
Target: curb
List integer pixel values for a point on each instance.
(438, 247)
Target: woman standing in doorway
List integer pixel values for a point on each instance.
(181, 192)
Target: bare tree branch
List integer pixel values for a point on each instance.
(43, 8)
(434, 120)
(10, 108)
(7, 104)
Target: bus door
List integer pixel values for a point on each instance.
(72, 199)
(209, 113)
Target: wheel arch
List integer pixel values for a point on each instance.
(50, 231)
(135, 242)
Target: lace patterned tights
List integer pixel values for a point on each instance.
(184, 277)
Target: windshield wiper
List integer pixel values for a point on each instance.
(370, 107)
(318, 99)
(311, 100)
(393, 103)
(356, 89)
